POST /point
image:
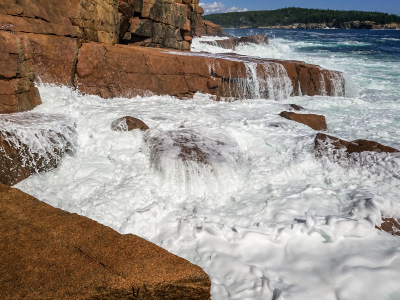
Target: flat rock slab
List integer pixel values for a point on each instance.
(316, 122)
(47, 253)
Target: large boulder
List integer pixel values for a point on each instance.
(316, 122)
(47, 253)
(17, 90)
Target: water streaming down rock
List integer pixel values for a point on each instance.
(267, 80)
(32, 142)
(193, 163)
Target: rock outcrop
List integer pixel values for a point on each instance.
(128, 123)
(316, 122)
(17, 90)
(47, 253)
(127, 71)
(87, 20)
(158, 23)
(232, 43)
(208, 28)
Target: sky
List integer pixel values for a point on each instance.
(220, 6)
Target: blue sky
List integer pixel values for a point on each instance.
(218, 6)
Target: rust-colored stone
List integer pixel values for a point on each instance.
(85, 19)
(17, 162)
(316, 122)
(17, 90)
(339, 148)
(127, 70)
(208, 28)
(47, 253)
(128, 123)
(390, 225)
(54, 58)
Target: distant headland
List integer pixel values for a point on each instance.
(304, 18)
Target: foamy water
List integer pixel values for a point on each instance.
(263, 217)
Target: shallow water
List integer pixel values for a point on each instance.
(264, 218)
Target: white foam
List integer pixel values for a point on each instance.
(264, 218)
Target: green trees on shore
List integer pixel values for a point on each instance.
(291, 15)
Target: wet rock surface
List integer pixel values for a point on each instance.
(128, 123)
(296, 107)
(337, 148)
(232, 43)
(390, 225)
(316, 122)
(28, 147)
(47, 253)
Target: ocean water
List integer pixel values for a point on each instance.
(263, 217)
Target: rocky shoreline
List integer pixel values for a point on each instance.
(111, 49)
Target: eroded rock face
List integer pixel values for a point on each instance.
(127, 71)
(316, 122)
(17, 90)
(337, 148)
(232, 43)
(158, 23)
(128, 123)
(84, 19)
(47, 253)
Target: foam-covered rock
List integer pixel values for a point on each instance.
(232, 43)
(32, 143)
(128, 123)
(326, 145)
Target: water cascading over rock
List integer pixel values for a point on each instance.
(193, 163)
(31, 143)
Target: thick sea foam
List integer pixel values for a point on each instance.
(262, 216)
